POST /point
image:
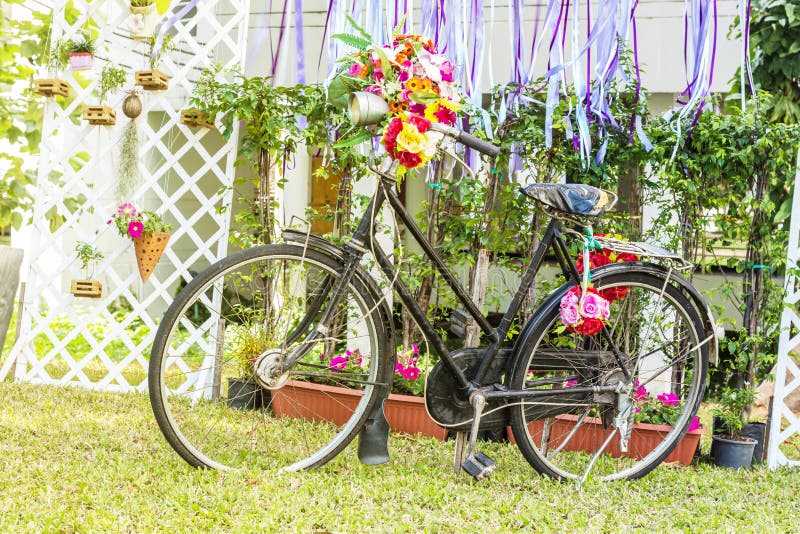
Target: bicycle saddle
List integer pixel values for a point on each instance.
(577, 199)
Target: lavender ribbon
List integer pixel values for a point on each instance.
(169, 24)
(299, 42)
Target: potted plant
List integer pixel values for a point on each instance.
(143, 18)
(405, 408)
(248, 341)
(81, 53)
(88, 256)
(731, 448)
(154, 79)
(55, 62)
(149, 234)
(655, 415)
(111, 79)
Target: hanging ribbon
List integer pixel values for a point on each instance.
(162, 32)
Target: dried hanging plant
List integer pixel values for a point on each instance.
(128, 169)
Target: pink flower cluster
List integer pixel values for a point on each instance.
(666, 402)
(585, 313)
(340, 363)
(406, 365)
(128, 220)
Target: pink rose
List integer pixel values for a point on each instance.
(354, 69)
(590, 306)
(570, 315)
(374, 89)
(605, 308)
(570, 299)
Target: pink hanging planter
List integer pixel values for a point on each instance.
(81, 61)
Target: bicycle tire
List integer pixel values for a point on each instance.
(561, 438)
(192, 356)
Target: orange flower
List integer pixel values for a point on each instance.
(415, 84)
(363, 72)
(426, 86)
(398, 106)
(400, 58)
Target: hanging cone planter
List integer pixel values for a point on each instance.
(149, 248)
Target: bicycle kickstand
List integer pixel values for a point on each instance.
(477, 464)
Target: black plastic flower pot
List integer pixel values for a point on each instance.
(246, 395)
(733, 453)
(758, 432)
(718, 428)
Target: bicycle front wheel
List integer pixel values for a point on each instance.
(653, 350)
(247, 313)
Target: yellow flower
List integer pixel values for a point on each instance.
(449, 104)
(430, 109)
(411, 140)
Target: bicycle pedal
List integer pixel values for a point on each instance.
(478, 465)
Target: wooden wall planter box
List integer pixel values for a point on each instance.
(51, 87)
(644, 438)
(91, 289)
(99, 115)
(151, 80)
(194, 117)
(405, 413)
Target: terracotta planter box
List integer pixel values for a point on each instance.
(644, 438)
(405, 413)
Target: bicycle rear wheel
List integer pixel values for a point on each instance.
(247, 312)
(658, 334)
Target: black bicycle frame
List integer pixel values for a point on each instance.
(363, 240)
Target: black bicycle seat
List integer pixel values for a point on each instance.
(577, 199)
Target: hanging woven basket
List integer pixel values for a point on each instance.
(149, 248)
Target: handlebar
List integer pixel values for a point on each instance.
(485, 147)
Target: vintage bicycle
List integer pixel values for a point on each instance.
(301, 305)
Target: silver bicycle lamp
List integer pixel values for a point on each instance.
(366, 108)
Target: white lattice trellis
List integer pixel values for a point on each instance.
(784, 423)
(104, 343)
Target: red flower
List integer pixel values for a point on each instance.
(614, 293)
(627, 256)
(589, 327)
(395, 127)
(596, 259)
(409, 160)
(445, 116)
(421, 123)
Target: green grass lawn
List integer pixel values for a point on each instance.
(82, 461)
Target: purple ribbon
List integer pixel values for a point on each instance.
(169, 24)
(299, 42)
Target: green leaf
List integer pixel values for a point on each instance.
(357, 138)
(352, 40)
(359, 29)
(424, 98)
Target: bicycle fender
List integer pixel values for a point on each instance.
(524, 341)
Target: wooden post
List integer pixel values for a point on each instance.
(10, 263)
